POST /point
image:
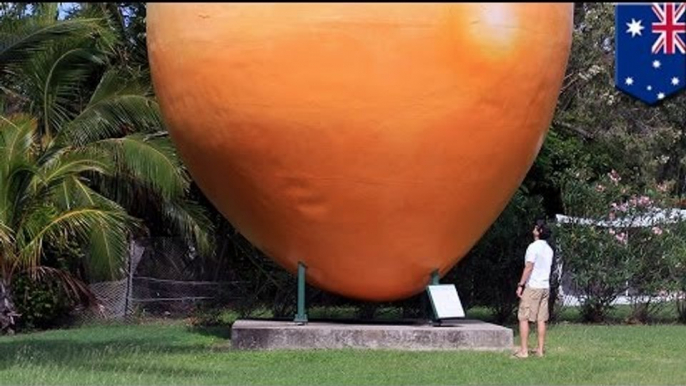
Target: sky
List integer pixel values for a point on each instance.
(63, 8)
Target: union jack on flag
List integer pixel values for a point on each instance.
(650, 57)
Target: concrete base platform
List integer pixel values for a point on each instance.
(454, 335)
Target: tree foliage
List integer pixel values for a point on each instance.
(598, 128)
(84, 151)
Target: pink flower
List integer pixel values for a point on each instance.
(612, 216)
(611, 231)
(614, 177)
(621, 237)
(657, 230)
(644, 201)
(600, 188)
(622, 207)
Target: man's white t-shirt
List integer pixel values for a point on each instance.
(541, 255)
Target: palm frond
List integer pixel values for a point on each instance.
(18, 43)
(107, 253)
(75, 193)
(16, 139)
(55, 183)
(180, 216)
(46, 224)
(28, 236)
(6, 236)
(150, 159)
(115, 83)
(67, 163)
(54, 79)
(117, 108)
(107, 247)
(110, 37)
(190, 218)
(15, 193)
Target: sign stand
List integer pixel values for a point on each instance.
(445, 302)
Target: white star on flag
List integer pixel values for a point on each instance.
(635, 27)
(656, 64)
(629, 81)
(675, 81)
(649, 88)
(661, 95)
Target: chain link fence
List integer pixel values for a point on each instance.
(163, 277)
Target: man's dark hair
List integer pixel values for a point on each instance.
(543, 230)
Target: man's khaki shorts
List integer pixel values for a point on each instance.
(533, 305)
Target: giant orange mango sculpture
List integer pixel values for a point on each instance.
(374, 143)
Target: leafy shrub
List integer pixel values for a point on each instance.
(678, 267)
(625, 248)
(597, 266)
(41, 303)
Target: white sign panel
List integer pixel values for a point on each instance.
(445, 302)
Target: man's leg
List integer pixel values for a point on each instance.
(524, 315)
(524, 337)
(541, 337)
(541, 321)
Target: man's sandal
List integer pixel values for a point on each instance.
(535, 352)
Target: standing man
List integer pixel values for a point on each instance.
(534, 289)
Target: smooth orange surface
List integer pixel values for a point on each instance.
(373, 142)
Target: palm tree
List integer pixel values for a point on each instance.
(44, 199)
(120, 163)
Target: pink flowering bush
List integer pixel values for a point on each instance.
(625, 249)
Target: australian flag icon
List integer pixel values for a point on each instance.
(650, 56)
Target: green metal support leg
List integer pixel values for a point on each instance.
(435, 280)
(301, 316)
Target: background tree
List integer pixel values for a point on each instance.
(68, 75)
(45, 202)
(599, 128)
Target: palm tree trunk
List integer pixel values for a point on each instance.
(7, 310)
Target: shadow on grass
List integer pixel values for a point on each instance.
(77, 354)
(221, 332)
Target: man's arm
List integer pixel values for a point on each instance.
(528, 267)
(529, 259)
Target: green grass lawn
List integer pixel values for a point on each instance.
(170, 353)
